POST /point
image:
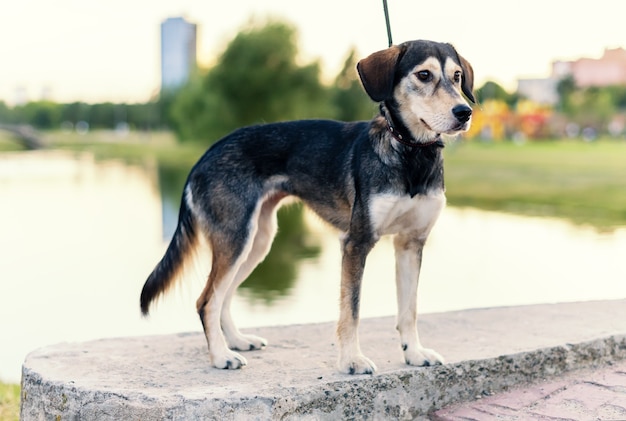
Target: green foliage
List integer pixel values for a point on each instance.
(493, 91)
(161, 112)
(618, 96)
(41, 114)
(6, 114)
(591, 106)
(349, 100)
(189, 111)
(565, 88)
(257, 79)
(75, 112)
(47, 115)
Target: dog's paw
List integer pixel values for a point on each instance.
(246, 343)
(358, 364)
(229, 360)
(421, 357)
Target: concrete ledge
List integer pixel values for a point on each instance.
(168, 377)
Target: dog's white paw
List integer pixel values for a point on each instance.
(229, 360)
(246, 342)
(358, 364)
(421, 357)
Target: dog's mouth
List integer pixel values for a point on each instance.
(426, 124)
(459, 127)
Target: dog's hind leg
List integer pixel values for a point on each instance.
(262, 242)
(231, 244)
(209, 305)
(408, 250)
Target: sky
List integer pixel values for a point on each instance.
(96, 50)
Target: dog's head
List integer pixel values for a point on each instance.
(423, 81)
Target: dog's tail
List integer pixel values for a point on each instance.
(171, 265)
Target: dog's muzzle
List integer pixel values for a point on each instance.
(462, 113)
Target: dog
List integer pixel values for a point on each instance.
(367, 179)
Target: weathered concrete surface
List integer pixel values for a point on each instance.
(168, 377)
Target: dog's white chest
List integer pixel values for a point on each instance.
(391, 214)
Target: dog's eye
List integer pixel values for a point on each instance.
(424, 75)
(457, 76)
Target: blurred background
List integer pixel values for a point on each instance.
(104, 108)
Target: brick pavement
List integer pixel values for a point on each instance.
(589, 394)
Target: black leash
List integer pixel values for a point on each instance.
(387, 21)
(399, 131)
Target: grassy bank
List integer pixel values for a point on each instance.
(134, 147)
(9, 402)
(583, 182)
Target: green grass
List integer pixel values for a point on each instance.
(582, 182)
(8, 142)
(9, 402)
(136, 147)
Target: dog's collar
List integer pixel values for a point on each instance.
(401, 133)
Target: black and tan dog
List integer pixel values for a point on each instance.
(368, 179)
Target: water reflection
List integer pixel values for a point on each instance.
(276, 275)
(171, 183)
(78, 238)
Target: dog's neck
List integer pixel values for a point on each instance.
(401, 133)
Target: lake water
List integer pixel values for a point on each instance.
(78, 238)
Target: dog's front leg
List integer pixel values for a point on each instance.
(408, 249)
(351, 359)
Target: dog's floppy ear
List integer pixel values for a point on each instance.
(467, 80)
(377, 72)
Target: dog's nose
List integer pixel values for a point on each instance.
(462, 113)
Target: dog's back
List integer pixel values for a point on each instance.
(298, 158)
(306, 159)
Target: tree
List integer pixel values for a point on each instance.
(618, 96)
(591, 106)
(492, 91)
(6, 114)
(143, 116)
(565, 88)
(257, 79)
(41, 114)
(75, 112)
(349, 100)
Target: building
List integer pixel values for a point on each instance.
(178, 52)
(541, 91)
(610, 69)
